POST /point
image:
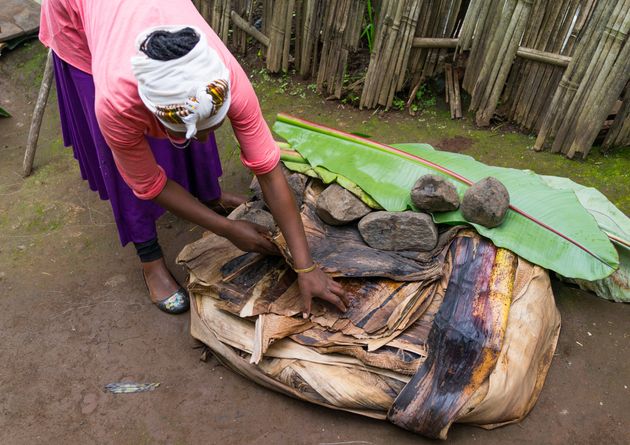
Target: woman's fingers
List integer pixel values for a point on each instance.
(269, 247)
(339, 291)
(342, 294)
(306, 310)
(334, 300)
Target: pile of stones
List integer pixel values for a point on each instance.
(486, 203)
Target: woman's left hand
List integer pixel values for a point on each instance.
(316, 284)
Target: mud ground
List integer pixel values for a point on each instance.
(75, 316)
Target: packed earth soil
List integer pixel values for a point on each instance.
(76, 316)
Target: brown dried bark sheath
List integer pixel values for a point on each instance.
(465, 339)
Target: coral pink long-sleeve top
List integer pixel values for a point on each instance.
(98, 36)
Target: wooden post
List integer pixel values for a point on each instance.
(457, 100)
(448, 74)
(619, 133)
(452, 91)
(38, 114)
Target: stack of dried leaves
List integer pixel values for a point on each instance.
(465, 332)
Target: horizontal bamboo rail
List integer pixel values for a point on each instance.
(428, 42)
(543, 56)
(525, 53)
(242, 24)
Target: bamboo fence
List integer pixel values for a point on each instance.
(560, 69)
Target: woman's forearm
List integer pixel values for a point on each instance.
(281, 202)
(180, 202)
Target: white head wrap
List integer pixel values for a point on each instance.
(188, 93)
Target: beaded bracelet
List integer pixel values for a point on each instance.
(307, 269)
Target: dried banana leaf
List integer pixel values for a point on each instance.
(495, 362)
(465, 339)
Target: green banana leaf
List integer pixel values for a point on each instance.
(615, 287)
(329, 177)
(544, 225)
(609, 218)
(616, 225)
(4, 113)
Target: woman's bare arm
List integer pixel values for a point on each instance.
(314, 284)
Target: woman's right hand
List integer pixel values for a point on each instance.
(251, 237)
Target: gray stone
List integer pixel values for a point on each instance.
(253, 211)
(434, 193)
(254, 186)
(399, 231)
(486, 202)
(337, 206)
(297, 183)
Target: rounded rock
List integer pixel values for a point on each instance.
(486, 202)
(337, 206)
(434, 193)
(253, 212)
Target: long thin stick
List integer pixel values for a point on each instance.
(38, 114)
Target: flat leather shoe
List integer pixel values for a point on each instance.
(178, 303)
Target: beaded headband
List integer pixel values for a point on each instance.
(175, 113)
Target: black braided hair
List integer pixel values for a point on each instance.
(167, 45)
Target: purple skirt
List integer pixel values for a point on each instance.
(197, 168)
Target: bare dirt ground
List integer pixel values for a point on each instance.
(75, 315)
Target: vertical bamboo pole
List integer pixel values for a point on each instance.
(593, 66)
(369, 87)
(308, 39)
(225, 21)
(287, 36)
(483, 28)
(268, 8)
(541, 26)
(567, 87)
(276, 37)
(605, 88)
(457, 100)
(488, 96)
(299, 11)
